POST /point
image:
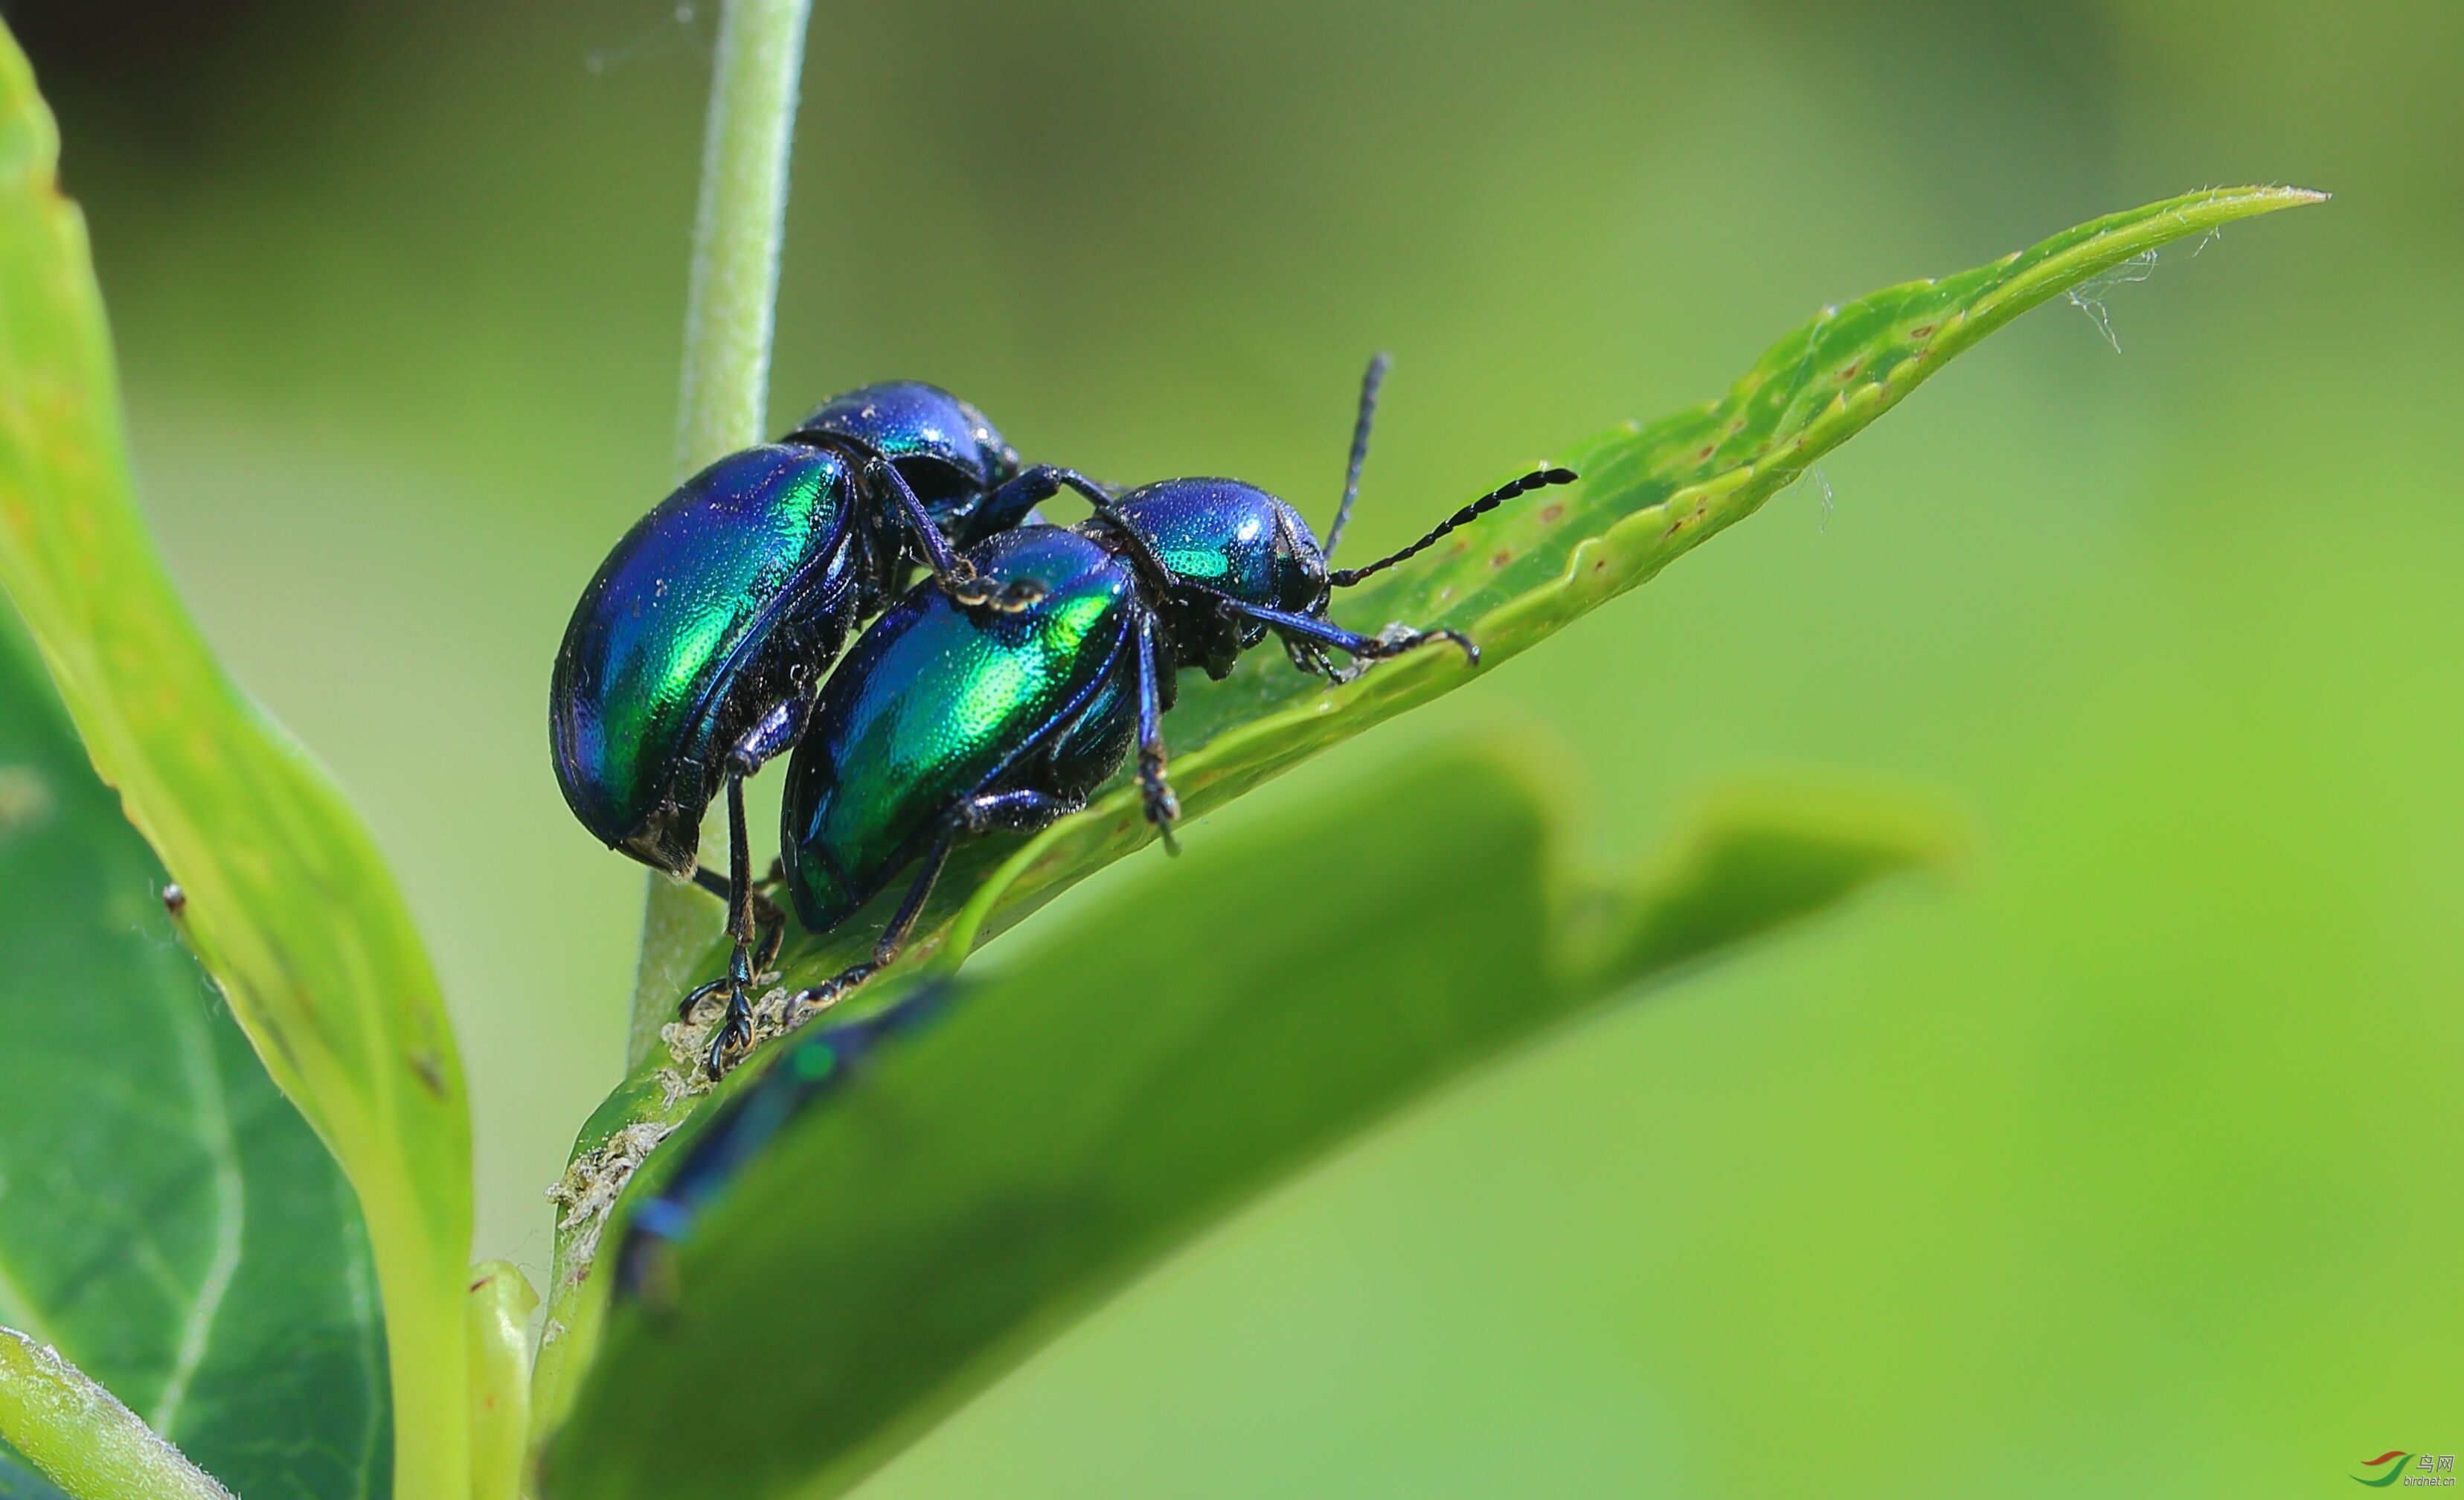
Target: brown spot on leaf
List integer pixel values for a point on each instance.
(1501, 558)
(430, 1069)
(1922, 331)
(1550, 513)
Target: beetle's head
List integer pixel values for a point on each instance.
(1230, 538)
(1220, 538)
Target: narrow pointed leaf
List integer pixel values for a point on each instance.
(1649, 493)
(289, 906)
(975, 1183)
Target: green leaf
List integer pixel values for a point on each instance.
(975, 1186)
(166, 1218)
(1649, 493)
(502, 1300)
(289, 906)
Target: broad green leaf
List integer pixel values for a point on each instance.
(289, 906)
(166, 1218)
(976, 1185)
(1649, 493)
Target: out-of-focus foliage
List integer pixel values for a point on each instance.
(166, 1220)
(287, 903)
(16, 1483)
(2114, 1170)
(975, 1187)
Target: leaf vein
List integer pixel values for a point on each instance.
(230, 1215)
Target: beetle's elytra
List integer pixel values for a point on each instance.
(693, 654)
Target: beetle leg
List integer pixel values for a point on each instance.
(693, 1002)
(773, 925)
(893, 937)
(752, 917)
(772, 736)
(769, 922)
(1095, 491)
(1164, 808)
(1009, 505)
(1393, 641)
(1310, 657)
(740, 866)
(956, 574)
(1020, 812)
(936, 553)
(734, 1033)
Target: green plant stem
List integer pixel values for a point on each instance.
(80, 1436)
(729, 310)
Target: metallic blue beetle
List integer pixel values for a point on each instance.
(693, 655)
(946, 720)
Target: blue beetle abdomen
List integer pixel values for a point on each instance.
(688, 627)
(936, 702)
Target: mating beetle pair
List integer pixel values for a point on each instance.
(995, 695)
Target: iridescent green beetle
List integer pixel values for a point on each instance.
(693, 657)
(946, 722)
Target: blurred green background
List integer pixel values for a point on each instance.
(2124, 1162)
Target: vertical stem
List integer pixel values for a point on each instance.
(729, 310)
(737, 230)
(729, 306)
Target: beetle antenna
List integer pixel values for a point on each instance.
(1536, 479)
(1369, 385)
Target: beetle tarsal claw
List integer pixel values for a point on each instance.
(974, 591)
